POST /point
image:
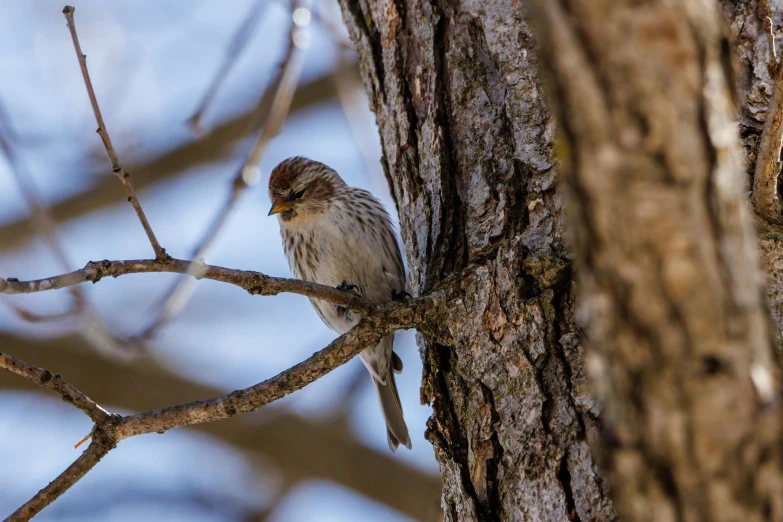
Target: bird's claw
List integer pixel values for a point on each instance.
(346, 287)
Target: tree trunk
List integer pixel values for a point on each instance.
(666, 258)
(467, 142)
(666, 252)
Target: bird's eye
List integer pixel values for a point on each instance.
(298, 195)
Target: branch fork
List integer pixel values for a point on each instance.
(110, 428)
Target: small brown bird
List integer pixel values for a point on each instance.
(342, 236)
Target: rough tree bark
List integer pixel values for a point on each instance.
(666, 258)
(467, 143)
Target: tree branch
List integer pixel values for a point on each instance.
(255, 283)
(91, 456)
(296, 448)
(382, 319)
(125, 178)
(54, 383)
(114, 428)
(339, 352)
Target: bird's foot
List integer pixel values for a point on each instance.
(345, 287)
(400, 296)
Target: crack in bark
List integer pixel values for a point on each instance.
(449, 251)
(364, 22)
(447, 422)
(494, 480)
(564, 476)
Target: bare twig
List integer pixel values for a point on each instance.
(54, 383)
(766, 199)
(284, 86)
(91, 456)
(215, 146)
(125, 178)
(233, 51)
(255, 283)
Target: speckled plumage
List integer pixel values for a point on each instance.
(333, 233)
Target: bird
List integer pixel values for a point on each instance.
(337, 235)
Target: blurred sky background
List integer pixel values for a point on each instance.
(151, 62)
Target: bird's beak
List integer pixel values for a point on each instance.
(278, 206)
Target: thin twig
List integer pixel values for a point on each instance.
(766, 199)
(55, 383)
(218, 145)
(125, 178)
(284, 86)
(234, 49)
(255, 283)
(86, 461)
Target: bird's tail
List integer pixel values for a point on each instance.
(396, 430)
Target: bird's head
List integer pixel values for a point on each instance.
(301, 188)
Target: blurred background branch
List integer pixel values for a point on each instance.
(234, 49)
(275, 104)
(91, 325)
